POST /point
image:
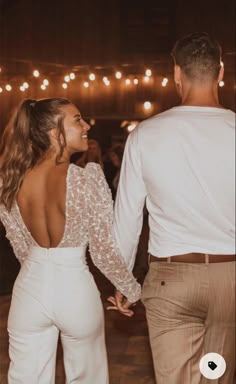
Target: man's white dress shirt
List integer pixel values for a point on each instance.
(182, 163)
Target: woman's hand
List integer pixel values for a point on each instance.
(121, 304)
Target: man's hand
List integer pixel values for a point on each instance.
(121, 304)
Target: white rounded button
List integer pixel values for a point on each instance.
(212, 366)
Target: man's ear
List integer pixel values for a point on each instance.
(221, 73)
(177, 74)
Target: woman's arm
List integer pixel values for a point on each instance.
(103, 250)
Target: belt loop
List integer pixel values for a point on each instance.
(206, 258)
(168, 259)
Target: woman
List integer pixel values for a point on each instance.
(51, 210)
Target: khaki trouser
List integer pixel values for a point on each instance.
(190, 311)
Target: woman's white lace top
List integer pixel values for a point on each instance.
(89, 215)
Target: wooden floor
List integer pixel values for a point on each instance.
(127, 343)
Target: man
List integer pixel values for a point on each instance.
(181, 162)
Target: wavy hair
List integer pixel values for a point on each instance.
(25, 141)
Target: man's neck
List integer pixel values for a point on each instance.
(201, 96)
(201, 103)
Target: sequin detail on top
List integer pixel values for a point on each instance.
(103, 250)
(89, 214)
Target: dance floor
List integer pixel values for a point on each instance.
(127, 343)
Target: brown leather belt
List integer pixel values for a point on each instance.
(194, 258)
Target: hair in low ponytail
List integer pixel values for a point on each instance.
(26, 139)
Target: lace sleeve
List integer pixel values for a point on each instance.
(104, 253)
(14, 235)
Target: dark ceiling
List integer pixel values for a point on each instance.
(103, 36)
(98, 32)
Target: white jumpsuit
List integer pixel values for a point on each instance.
(55, 293)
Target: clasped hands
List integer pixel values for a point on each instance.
(121, 304)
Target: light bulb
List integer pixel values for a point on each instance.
(92, 77)
(147, 105)
(148, 72)
(118, 75)
(36, 73)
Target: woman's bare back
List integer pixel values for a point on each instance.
(42, 203)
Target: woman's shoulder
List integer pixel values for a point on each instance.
(93, 169)
(94, 174)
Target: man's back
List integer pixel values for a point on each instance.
(188, 167)
(182, 162)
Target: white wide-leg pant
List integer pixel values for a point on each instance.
(55, 292)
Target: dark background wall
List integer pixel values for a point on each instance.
(104, 35)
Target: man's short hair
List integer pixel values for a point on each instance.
(199, 56)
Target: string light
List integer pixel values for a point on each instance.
(67, 78)
(1, 89)
(118, 75)
(164, 82)
(106, 81)
(92, 77)
(148, 72)
(36, 73)
(147, 105)
(129, 79)
(146, 79)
